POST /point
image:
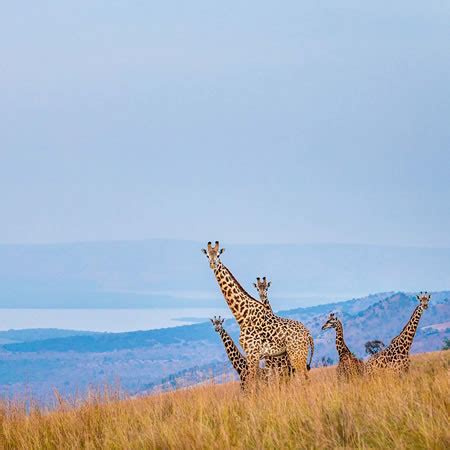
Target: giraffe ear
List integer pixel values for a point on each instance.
(269, 283)
(221, 251)
(204, 251)
(254, 284)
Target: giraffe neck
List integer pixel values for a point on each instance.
(234, 355)
(406, 337)
(237, 298)
(265, 301)
(341, 346)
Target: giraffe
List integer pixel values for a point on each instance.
(262, 286)
(349, 365)
(239, 362)
(395, 357)
(263, 334)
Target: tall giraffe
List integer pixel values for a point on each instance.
(263, 334)
(239, 362)
(395, 357)
(262, 286)
(349, 365)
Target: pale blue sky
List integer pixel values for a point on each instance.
(241, 121)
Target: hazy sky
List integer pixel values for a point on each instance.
(242, 121)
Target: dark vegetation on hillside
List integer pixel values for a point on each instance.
(373, 347)
(107, 342)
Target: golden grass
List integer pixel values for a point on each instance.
(386, 413)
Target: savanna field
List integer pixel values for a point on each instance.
(386, 412)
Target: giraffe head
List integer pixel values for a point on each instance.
(213, 254)
(217, 322)
(424, 298)
(262, 286)
(332, 322)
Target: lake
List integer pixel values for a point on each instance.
(113, 320)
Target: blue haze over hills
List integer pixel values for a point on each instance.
(170, 273)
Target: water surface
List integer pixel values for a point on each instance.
(114, 320)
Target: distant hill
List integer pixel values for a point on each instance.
(37, 334)
(108, 342)
(145, 360)
(168, 273)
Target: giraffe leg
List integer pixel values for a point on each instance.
(298, 355)
(252, 370)
(406, 367)
(300, 367)
(243, 378)
(340, 375)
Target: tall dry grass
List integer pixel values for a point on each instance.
(407, 413)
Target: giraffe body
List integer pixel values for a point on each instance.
(262, 286)
(263, 334)
(395, 357)
(279, 367)
(349, 365)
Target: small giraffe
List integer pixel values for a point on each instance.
(349, 365)
(282, 368)
(395, 357)
(263, 334)
(262, 286)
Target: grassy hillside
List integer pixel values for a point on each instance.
(411, 412)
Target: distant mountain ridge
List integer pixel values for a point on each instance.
(145, 360)
(361, 311)
(169, 273)
(37, 334)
